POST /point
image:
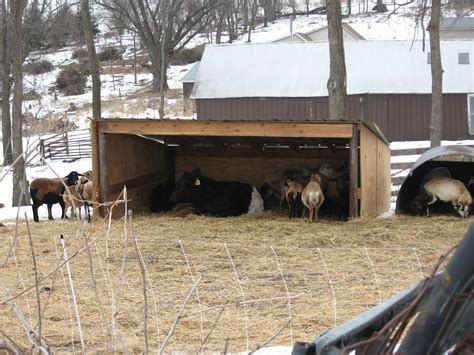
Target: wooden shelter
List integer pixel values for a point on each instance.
(140, 154)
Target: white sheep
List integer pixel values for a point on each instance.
(313, 197)
(449, 190)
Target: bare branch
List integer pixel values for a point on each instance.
(178, 316)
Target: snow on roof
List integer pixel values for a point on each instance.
(302, 69)
(458, 23)
(190, 76)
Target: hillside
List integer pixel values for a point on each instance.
(47, 109)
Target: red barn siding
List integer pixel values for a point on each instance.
(399, 116)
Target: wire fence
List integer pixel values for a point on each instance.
(209, 293)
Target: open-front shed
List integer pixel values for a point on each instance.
(141, 154)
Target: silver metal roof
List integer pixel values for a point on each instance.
(190, 76)
(302, 69)
(443, 151)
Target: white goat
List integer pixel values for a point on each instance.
(449, 190)
(313, 197)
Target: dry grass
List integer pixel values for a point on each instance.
(325, 268)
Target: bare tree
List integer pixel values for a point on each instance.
(93, 61)
(6, 85)
(164, 13)
(436, 75)
(380, 7)
(19, 176)
(337, 76)
(253, 14)
(185, 20)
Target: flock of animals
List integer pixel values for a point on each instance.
(323, 191)
(71, 192)
(301, 189)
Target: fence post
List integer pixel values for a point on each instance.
(41, 147)
(66, 139)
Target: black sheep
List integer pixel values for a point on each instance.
(50, 191)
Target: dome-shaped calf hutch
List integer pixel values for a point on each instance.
(458, 160)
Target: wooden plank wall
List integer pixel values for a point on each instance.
(254, 168)
(383, 177)
(374, 174)
(138, 163)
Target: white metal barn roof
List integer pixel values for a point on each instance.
(302, 69)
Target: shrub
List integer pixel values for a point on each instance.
(38, 67)
(31, 95)
(71, 81)
(79, 53)
(187, 55)
(109, 54)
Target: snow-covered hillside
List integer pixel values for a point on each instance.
(122, 97)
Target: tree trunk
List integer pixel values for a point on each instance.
(337, 76)
(6, 90)
(6, 119)
(155, 57)
(220, 24)
(93, 61)
(20, 185)
(164, 14)
(436, 76)
(349, 7)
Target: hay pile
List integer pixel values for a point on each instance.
(259, 271)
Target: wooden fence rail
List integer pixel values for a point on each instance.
(68, 145)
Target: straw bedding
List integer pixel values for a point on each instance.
(257, 272)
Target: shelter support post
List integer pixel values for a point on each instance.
(103, 170)
(354, 173)
(94, 129)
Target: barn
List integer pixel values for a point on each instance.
(142, 154)
(321, 34)
(456, 28)
(388, 82)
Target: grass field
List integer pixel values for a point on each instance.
(255, 275)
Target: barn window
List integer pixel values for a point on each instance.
(470, 112)
(463, 58)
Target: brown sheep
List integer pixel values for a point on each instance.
(449, 190)
(50, 191)
(86, 191)
(313, 197)
(293, 196)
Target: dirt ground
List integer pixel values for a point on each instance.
(255, 275)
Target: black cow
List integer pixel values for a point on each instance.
(216, 198)
(271, 197)
(160, 197)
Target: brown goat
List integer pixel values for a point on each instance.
(313, 197)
